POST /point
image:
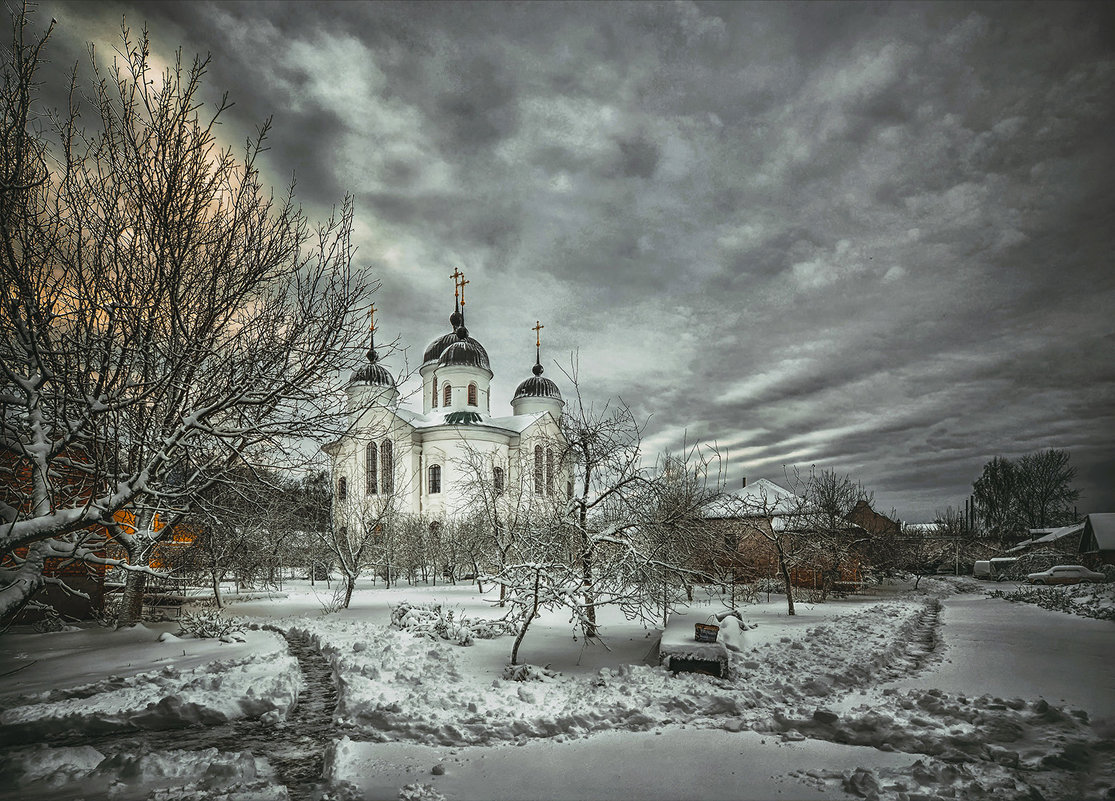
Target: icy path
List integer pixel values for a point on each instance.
(1011, 650)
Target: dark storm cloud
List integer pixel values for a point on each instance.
(870, 237)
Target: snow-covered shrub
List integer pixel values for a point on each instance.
(208, 624)
(746, 593)
(1086, 600)
(419, 792)
(438, 623)
(769, 585)
(528, 673)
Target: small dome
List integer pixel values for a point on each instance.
(537, 387)
(464, 353)
(373, 374)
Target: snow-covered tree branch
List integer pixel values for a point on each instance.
(163, 314)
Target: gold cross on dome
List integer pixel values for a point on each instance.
(463, 283)
(372, 318)
(456, 275)
(537, 336)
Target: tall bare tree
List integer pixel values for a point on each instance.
(1046, 494)
(162, 313)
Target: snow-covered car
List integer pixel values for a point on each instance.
(1064, 574)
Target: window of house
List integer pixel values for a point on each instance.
(549, 471)
(497, 479)
(538, 473)
(342, 488)
(447, 395)
(434, 481)
(435, 392)
(387, 454)
(472, 395)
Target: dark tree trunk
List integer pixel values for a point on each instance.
(786, 579)
(526, 621)
(587, 571)
(131, 604)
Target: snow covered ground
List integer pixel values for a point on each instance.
(931, 694)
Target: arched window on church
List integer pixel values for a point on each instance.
(472, 395)
(387, 480)
(342, 489)
(549, 471)
(447, 395)
(497, 479)
(434, 482)
(538, 472)
(371, 465)
(435, 392)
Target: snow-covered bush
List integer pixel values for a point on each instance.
(208, 624)
(770, 585)
(1086, 600)
(438, 623)
(528, 673)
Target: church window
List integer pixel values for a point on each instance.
(447, 395)
(342, 488)
(538, 473)
(435, 392)
(497, 479)
(435, 479)
(569, 490)
(549, 471)
(472, 395)
(371, 477)
(387, 480)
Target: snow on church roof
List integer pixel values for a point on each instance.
(516, 424)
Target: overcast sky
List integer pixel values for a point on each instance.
(872, 238)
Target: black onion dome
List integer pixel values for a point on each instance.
(436, 348)
(373, 374)
(537, 387)
(465, 352)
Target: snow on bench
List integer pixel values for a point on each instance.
(679, 650)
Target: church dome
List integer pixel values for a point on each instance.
(464, 351)
(537, 387)
(437, 348)
(373, 373)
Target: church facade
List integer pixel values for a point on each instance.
(439, 462)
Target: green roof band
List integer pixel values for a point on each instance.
(462, 419)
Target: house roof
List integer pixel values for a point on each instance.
(1102, 527)
(760, 498)
(1050, 535)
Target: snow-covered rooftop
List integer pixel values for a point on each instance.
(760, 498)
(514, 424)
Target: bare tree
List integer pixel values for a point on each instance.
(828, 542)
(603, 445)
(1045, 491)
(162, 314)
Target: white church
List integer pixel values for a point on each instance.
(428, 463)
